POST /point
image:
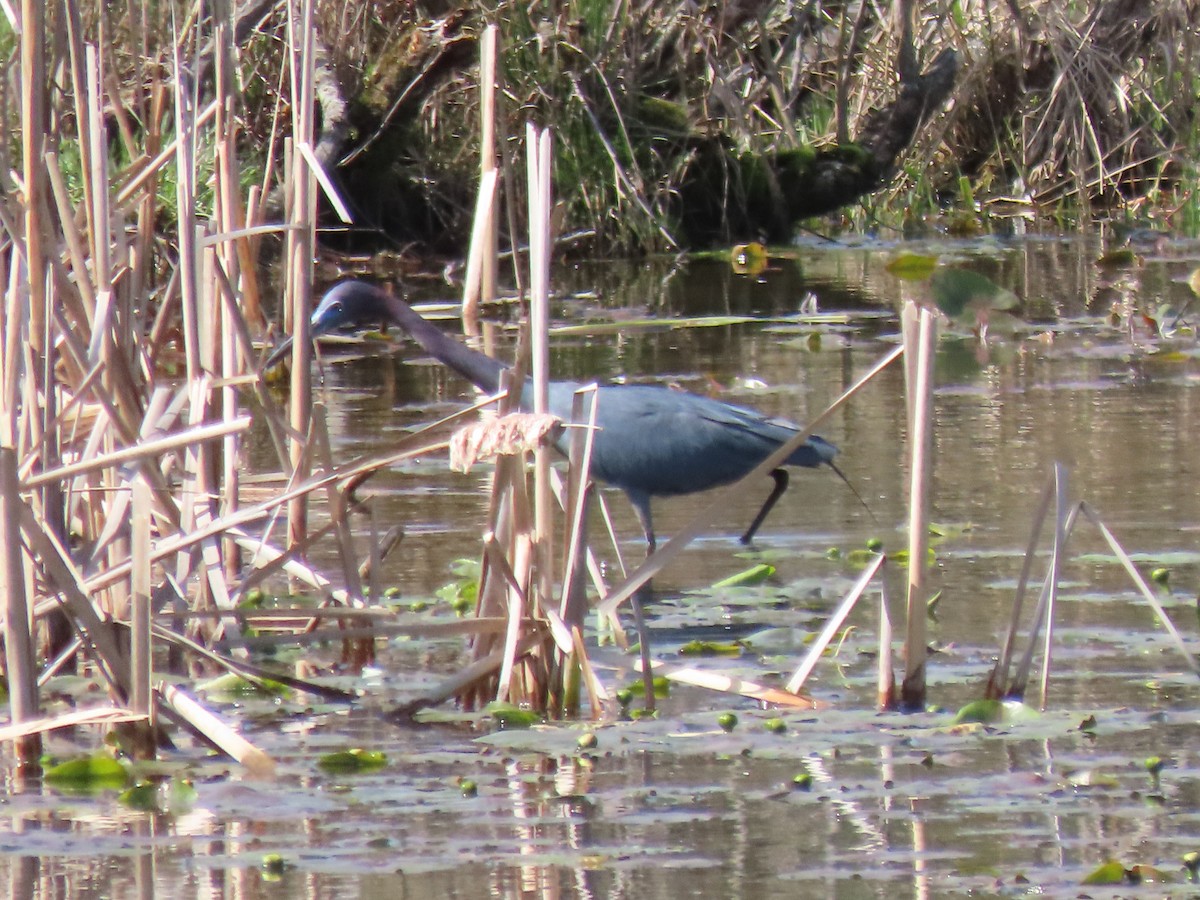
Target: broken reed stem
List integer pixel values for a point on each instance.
(707, 679)
(997, 685)
(1139, 582)
(1056, 563)
(1020, 681)
(182, 706)
(834, 622)
(920, 333)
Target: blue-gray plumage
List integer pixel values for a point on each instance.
(651, 441)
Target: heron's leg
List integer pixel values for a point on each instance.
(641, 506)
(781, 484)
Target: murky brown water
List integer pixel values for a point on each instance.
(899, 805)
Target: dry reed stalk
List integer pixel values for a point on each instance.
(481, 231)
(141, 452)
(141, 657)
(337, 508)
(66, 582)
(508, 514)
(190, 295)
(832, 624)
(591, 563)
(489, 50)
(572, 661)
(183, 542)
(997, 684)
(709, 680)
(1044, 608)
(301, 243)
(1144, 589)
(516, 578)
(886, 676)
(598, 694)
(144, 180)
(180, 705)
(577, 502)
(471, 681)
(722, 498)
(920, 341)
(361, 653)
(101, 715)
(1061, 532)
(540, 161)
(482, 257)
(20, 662)
(226, 265)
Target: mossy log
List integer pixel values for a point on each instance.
(729, 196)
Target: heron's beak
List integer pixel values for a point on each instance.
(853, 490)
(277, 354)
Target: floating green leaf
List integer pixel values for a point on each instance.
(91, 773)
(509, 716)
(170, 797)
(349, 762)
(754, 575)
(662, 687)
(1111, 872)
(950, 529)
(232, 684)
(984, 712)
(711, 648)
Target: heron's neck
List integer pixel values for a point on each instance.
(478, 368)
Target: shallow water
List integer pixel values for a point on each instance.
(897, 804)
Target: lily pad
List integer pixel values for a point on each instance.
(348, 762)
(91, 773)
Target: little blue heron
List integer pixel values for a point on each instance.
(651, 441)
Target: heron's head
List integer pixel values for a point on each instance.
(348, 304)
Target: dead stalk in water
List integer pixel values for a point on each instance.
(920, 341)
